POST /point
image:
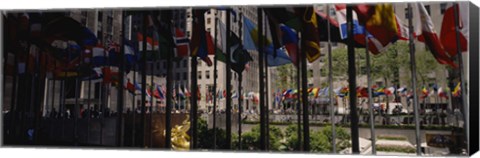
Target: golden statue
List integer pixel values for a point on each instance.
(180, 138)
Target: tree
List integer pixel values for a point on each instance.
(286, 76)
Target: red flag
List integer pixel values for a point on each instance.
(182, 43)
(199, 95)
(129, 86)
(429, 36)
(448, 34)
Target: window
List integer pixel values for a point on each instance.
(84, 21)
(165, 65)
(158, 66)
(184, 75)
(99, 26)
(406, 13)
(177, 76)
(443, 7)
(84, 13)
(110, 24)
(209, 20)
(427, 7)
(100, 16)
(207, 74)
(199, 74)
(185, 63)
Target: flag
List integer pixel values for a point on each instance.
(441, 93)
(199, 95)
(448, 33)
(390, 91)
(402, 91)
(161, 22)
(99, 57)
(182, 44)
(274, 57)
(324, 91)
(379, 91)
(187, 93)
(113, 54)
(282, 27)
(138, 86)
(290, 41)
(151, 44)
(160, 92)
(424, 92)
(311, 45)
(457, 90)
(315, 92)
(130, 55)
(202, 43)
(374, 46)
(362, 92)
(151, 52)
(379, 20)
(426, 30)
(129, 86)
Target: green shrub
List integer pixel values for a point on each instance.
(393, 148)
(384, 137)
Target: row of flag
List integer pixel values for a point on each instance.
(362, 92)
(158, 91)
(378, 22)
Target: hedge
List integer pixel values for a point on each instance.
(363, 125)
(394, 148)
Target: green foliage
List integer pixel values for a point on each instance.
(392, 148)
(286, 74)
(205, 136)
(251, 139)
(342, 137)
(291, 138)
(320, 141)
(391, 137)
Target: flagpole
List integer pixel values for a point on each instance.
(120, 93)
(13, 105)
(239, 94)
(330, 83)
(352, 83)
(76, 108)
(167, 16)
(144, 79)
(215, 86)
(370, 103)
(134, 102)
(88, 105)
(152, 67)
(228, 85)
(267, 111)
(305, 108)
(299, 112)
(466, 108)
(414, 80)
(194, 87)
(260, 74)
(37, 100)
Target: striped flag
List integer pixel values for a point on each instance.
(182, 44)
